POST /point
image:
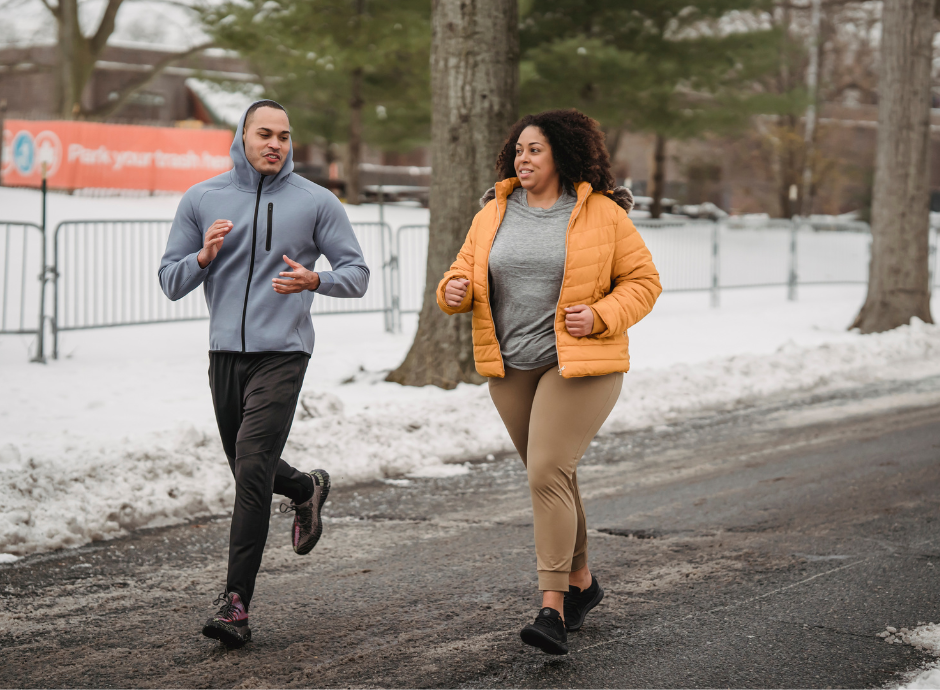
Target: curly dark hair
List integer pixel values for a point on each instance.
(578, 150)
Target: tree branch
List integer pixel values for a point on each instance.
(105, 28)
(54, 10)
(112, 107)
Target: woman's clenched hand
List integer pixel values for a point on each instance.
(455, 291)
(579, 320)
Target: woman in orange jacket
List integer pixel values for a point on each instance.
(553, 293)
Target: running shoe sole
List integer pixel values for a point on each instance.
(324, 486)
(548, 644)
(226, 634)
(576, 624)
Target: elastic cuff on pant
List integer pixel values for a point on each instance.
(553, 581)
(579, 561)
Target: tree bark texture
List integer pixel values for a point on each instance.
(898, 283)
(77, 53)
(659, 176)
(474, 99)
(353, 177)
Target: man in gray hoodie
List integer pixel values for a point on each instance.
(250, 237)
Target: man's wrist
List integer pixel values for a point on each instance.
(202, 260)
(315, 282)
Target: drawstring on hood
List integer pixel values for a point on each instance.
(244, 174)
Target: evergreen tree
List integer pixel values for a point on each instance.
(348, 70)
(674, 68)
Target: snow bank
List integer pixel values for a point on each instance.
(92, 490)
(923, 637)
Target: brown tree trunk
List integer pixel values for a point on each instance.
(353, 185)
(70, 54)
(659, 176)
(898, 284)
(474, 98)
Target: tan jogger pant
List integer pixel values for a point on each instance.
(551, 421)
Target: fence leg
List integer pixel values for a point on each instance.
(792, 279)
(716, 266)
(40, 333)
(388, 260)
(931, 257)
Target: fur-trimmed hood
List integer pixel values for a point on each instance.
(622, 195)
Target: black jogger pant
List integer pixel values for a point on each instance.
(255, 395)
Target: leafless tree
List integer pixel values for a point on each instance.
(78, 50)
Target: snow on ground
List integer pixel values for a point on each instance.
(119, 433)
(925, 637)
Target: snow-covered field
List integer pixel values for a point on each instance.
(119, 433)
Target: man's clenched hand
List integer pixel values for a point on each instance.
(297, 280)
(212, 242)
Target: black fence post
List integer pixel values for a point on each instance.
(40, 332)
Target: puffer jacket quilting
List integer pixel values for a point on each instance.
(607, 266)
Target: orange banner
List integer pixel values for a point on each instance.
(83, 155)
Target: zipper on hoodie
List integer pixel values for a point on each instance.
(267, 244)
(251, 266)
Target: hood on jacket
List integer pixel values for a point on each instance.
(245, 175)
(622, 195)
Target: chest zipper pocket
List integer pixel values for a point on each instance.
(267, 244)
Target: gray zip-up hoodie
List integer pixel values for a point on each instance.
(271, 217)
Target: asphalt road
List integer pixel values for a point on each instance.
(758, 548)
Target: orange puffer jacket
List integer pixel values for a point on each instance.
(607, 266)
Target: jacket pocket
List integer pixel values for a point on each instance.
(267, 244)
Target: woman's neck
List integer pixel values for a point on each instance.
(544, 198)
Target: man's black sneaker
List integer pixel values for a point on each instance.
(230, 625)
(307, 527)
(578, 603)
(547, 632)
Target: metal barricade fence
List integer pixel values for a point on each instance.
(411, 245)
(21, 257)
(104, 272)
(106, 275)
(707, 256)
(375, 239)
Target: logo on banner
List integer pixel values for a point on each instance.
(28, 153)
(6, 161)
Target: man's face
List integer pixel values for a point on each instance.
(267, 140)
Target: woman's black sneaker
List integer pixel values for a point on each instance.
(578, 603)
(547, 632)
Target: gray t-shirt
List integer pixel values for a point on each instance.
(527, 264)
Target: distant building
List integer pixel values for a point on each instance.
(27, 84)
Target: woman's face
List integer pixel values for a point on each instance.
(534, 164)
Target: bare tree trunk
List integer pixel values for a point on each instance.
(659, 176)
(353, 186)
(474, 98)
(69, 49)
(898, 286)
(812, 88)
(78, 53)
